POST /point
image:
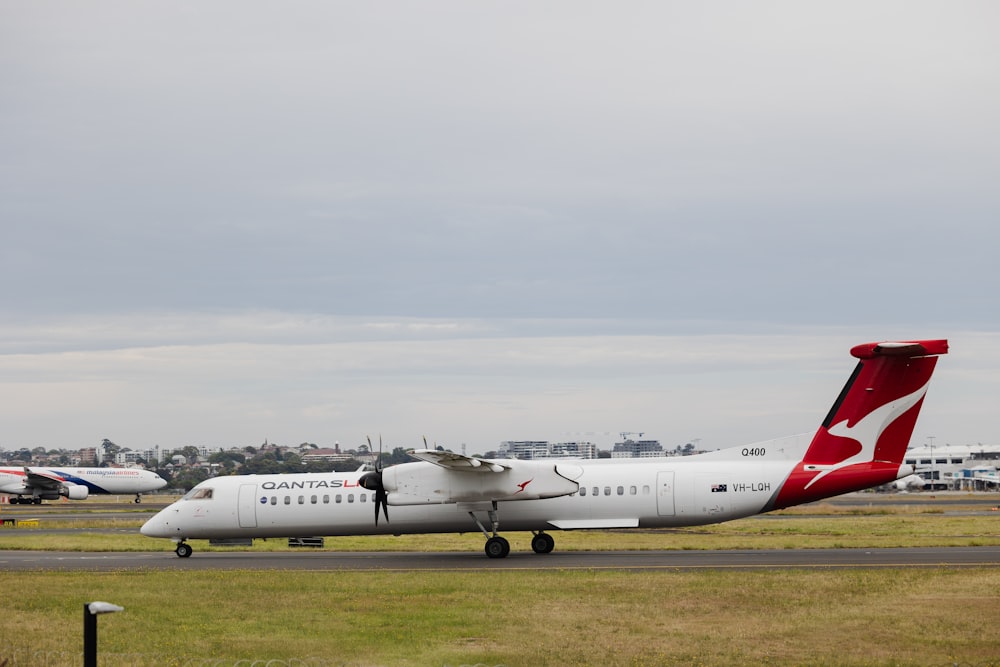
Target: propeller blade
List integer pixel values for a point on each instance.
(382, 498)
(373, 482)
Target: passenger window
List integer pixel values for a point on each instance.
(596, 491)
(302, 500)
(338, 498)
(350, 497)
(363, 498)
(326, 499)
(583, 491)
(274, 500)
(312, 500)
(607, 490)
(645, 489)
(631, 490)
(288, 500)
(621, 490)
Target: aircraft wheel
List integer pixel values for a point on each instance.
(497, 547)
(138, 500)
(543, 543)
(184, 550)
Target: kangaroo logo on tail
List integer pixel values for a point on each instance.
(863, 440)
(868, 430)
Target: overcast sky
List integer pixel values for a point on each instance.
(478, 221)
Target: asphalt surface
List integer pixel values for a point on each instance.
(326, 561)
(420, 561)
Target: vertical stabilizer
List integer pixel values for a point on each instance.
(863, 439)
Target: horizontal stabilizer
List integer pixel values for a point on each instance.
(906, 348)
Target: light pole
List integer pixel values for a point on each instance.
(930, 438)
(90, 612)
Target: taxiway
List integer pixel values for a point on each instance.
(326, 561)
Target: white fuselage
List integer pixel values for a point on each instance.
(17, 480)
(626, 493)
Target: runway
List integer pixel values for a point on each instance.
(326, 561)
(979, 504)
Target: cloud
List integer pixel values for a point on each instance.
(228, 218)
(457, 382)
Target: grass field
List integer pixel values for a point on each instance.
(934, 616)
(786, 617)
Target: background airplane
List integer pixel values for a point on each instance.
(860, 444)
(34, 484)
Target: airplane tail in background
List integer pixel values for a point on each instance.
(863, 439)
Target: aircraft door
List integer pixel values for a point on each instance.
(248, 505)
(665, 493)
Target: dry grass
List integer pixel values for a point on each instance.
(936, 616)
(788, 617)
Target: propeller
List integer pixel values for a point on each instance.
(373, 482)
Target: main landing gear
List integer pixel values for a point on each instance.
(499, 547)
(542, 543)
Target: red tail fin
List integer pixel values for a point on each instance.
(863, 439)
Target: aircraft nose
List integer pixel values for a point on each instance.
(156, 526)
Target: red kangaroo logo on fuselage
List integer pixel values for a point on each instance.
(522, 485)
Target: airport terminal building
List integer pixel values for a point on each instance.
(954, 467)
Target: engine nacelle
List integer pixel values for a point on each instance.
(76, 492)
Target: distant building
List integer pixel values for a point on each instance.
(523, 449)
(325, 454)
(578, 450)
(954, 466)
(542, 449)
(637, 449)
(127, 458)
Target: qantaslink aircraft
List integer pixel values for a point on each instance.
(860, 444)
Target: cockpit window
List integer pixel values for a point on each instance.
(199, 493)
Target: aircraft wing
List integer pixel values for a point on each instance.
(42, 480)
(458, 462)
(455, 478)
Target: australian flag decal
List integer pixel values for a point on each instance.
(719, 488)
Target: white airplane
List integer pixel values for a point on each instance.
(860, 444)
(33, 485)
